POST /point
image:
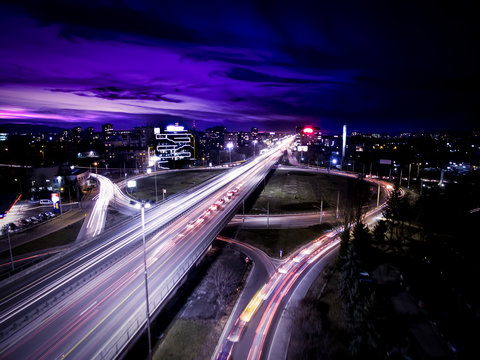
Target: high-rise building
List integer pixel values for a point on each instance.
(107, 129)
(174, 144)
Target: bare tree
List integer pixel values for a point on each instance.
(224, 282)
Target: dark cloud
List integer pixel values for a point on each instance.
(116, 93)
(366, 63)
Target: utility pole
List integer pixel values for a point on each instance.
(10, 248)
(268, 214)
(378, 194)
(321, 210)
(400, 181)
(146, 283)
(338, 200)
(156, 192)
(243, 210)
(409, 172)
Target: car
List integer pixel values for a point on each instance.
(26, 222)
(12, 226)
(45, 202)
(33, 220)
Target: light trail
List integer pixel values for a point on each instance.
(280, 284)
(110, 275)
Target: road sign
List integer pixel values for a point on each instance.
(281, 253)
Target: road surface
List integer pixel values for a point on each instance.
(257, 327)
(90, 302)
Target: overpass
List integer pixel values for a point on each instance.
(89, 302)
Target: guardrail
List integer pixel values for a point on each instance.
(137, 321)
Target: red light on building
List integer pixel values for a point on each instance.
(308, 130)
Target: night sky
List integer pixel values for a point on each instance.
(375, 66)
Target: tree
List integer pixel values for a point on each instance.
(397, 211)
(223, 280)
(344, 243)
(379, 233)
(357, 298)
(362, 241)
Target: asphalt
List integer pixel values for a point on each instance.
(282, 331)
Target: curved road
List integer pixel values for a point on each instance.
(257, 327)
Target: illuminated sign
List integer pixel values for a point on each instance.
(131, 183)
(308, 130)
(56, 201)
(302, 148)
(173, 128)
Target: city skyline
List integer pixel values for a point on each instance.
(245, 65)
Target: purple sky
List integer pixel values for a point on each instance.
(275, 65)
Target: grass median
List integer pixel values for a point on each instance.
(173, 182)
(62, 237)
(271, 241)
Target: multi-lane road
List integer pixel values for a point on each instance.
(89, 302)
(257, 325)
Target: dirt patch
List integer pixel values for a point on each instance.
(194, 333)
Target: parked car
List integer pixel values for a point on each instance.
(12, 226)
(45, 202)
(26, 222)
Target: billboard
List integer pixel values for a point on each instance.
(56, 201)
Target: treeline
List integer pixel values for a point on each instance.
(432, 242)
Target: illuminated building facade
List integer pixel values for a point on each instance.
(174, 144)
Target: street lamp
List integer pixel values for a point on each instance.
(230, 147)
(321, 210)
(254, 142)
(142, 206)
(7, 229)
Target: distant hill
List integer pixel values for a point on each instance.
(29, 128)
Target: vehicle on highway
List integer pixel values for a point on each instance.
(45, 202)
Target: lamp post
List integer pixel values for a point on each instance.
(409, 173)
(229, 147)
(321, 210)
(254, 142)
(156, 192)
(338, 200)
(142, 206)
(7, 229)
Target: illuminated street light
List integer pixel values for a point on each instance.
(254, 143)
(145, 205)
(230, 147)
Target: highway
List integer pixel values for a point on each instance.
(254, 330)
(90, 302)
(108, 193)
